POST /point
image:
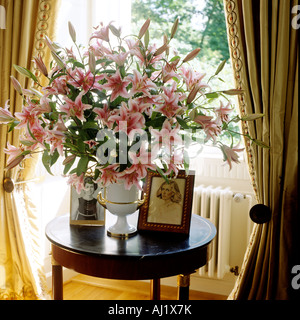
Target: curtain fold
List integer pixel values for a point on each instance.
(21, 274)
(264, 52)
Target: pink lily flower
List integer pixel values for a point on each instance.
(58, 86)
(39, 134)
(135, 106)
(86, 81)
(132, 44)
(149, 102)
(117, 85)
(98, 49)
(76, 182)
(210, 127)
(166, 137)
(103, 115)
(170, 106)
(60, 125)
(70, 53)
(176, 162)
(141, 84)
(102, 34)
(13, 152)
(118, 58)
(141, 161)
(5, 114)
(191, 77)
(149, 53)
(56, 139)
(130, 177)
(75, 108)
(91, 143)
(223, 113)
(28, 115)
(168, 71)
(129, 118)
(108, 175)
(230, 154)
(44, 105)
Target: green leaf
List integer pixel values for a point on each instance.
(78, 64)
(220, 67)
(25, 153)
(138, 67)
(82, 165)
(182, 123)
(96, 174)
(81, 146)
(27, 143)
(90, 125)
(69, 165)
(54, 157)
(162, 174)
(212, 95)
(12, 125)
(156, 123)
(193, 114)
(73, 171)
(46, 159)
(32, 136)
(186, 162)
(175, 58)
(57, 76)
(260, 143)
(71, 146)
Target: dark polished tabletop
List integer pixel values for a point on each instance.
(93, 240)
(147, 255)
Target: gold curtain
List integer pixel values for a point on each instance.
(21, 276)
(264, 52)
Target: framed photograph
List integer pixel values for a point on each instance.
(85, 208)
(167, 206)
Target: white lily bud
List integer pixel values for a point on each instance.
(92, 62)
(72, 31)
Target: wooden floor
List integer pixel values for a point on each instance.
(84, 287)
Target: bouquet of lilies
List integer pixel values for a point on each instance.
(118, 110)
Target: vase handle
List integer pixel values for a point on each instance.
(103, 201)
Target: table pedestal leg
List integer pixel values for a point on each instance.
(183, 283)
(155, 289)
(57, 281)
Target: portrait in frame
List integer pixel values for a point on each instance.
(84, 207)
(168, 204)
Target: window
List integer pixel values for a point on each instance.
(202, 24)
(86, 14)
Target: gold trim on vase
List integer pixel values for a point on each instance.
(103, 201)
(121, 235)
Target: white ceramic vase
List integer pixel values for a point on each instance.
(121, 202)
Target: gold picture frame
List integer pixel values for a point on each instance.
(167, 206)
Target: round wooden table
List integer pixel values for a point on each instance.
(148, 255)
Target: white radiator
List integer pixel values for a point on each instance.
(229, 212)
